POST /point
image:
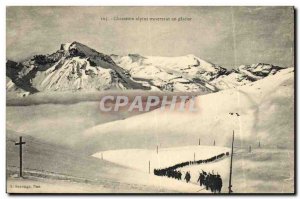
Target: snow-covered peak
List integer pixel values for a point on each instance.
(77, 48)
(245, 74)
(182, 73)
(259, 70)
(185, 63)
(74, 66)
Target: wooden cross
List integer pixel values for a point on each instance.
(20, 143)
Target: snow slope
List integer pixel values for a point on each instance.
(139, 158)
(74, 74)
(58, 169)
(261, 171)
(265, 109)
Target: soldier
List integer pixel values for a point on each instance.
(187, 177)
(219, 183)
(201, 179)
(180, 175)
(210, 181)
(205, 179)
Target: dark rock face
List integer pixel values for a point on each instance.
(14, 72)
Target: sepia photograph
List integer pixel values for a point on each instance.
(192, 100)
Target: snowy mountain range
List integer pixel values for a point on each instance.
(76, 67)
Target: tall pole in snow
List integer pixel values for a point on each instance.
(194, 156)
(157, 149)
(230, 172)
(199, 142)
(149, 166)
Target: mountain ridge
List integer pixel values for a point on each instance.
(76, 67)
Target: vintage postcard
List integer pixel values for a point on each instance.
(151, 100)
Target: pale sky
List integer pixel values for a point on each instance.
(225, 36)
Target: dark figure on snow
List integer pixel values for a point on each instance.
(187, 177)
(210, 182)
(179, 175)
(201, 179)
(219, 183)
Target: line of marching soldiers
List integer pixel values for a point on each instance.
(169, 173)
(211, 181)
(172, 174)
